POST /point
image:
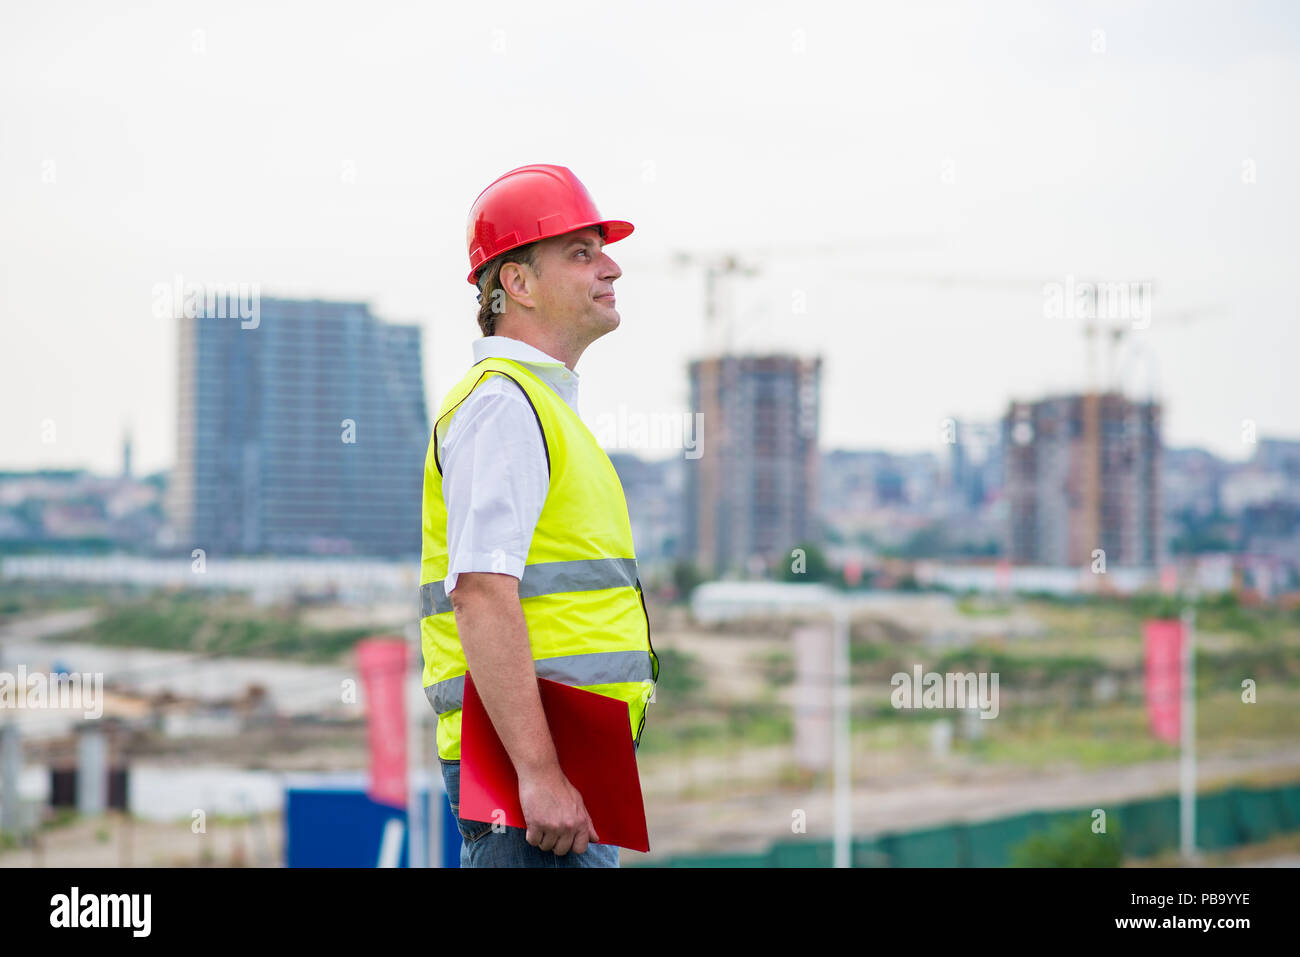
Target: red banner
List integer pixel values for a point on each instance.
(1003, 578)
(1163, 639)
(382, 663)
(1169, 580)
(853, 573)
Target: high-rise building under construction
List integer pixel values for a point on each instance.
(1082, 475)
(751, 492)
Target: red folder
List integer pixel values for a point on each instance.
(593, 741)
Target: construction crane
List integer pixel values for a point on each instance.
(715, 267)
(1119, 333)
(720, 265)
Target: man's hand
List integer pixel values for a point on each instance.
(553, 809)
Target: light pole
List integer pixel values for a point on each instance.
(843, 753)
(1187, 764)
(418, 824)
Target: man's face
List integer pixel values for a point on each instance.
(576, 285)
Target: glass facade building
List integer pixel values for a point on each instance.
(302, 434)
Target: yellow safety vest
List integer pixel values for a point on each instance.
(580, 592)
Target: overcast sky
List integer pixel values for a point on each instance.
(853, 155)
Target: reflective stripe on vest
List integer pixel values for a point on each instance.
(597, 668)
(547, 578)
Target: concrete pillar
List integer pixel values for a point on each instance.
(10, 764)
(92, 772)
(813, 669)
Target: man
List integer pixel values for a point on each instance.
(528, 567)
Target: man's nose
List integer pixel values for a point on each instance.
(611, 270)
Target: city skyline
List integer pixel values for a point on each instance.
(658, 453)
(868, 502)
(908, 202)
(939, 451)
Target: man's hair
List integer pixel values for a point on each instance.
(492, 298)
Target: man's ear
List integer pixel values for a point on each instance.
(516, 279)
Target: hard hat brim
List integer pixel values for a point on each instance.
(613, 229)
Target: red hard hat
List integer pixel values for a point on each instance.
(531, 203)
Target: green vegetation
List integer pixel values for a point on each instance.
(679, 676)
(1054, 706)
(60, 817)
(974, 606)
(19, 598)
(1214, 613)
(686, 577)
(1044, 745)
(1069, 844)
(865, 652)
(1021, 670)
(778, 668)
(718, 731)
(811, 566)
(216, 626)
(1072, 693)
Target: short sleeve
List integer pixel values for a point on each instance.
(494, 481)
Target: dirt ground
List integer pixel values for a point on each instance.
(113, 840)
(738, 800)
(747, 817)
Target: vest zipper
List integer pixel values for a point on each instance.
(653, 658)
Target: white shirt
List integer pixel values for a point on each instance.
(494, 471)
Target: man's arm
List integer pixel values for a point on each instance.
(494, 635)
(494, 484)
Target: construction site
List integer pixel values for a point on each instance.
(735, 764)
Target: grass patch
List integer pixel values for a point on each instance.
(22, 598)
(1041, 750)
(217, 626)
(717, 731)
(679, 675)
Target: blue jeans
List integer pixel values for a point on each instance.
(483, 847)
